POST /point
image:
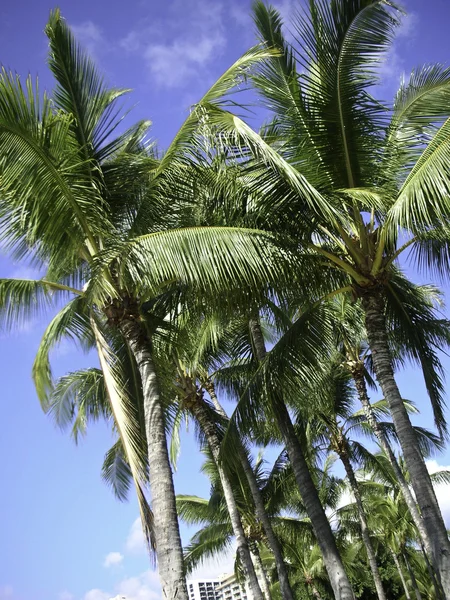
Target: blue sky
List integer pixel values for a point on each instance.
(63, 536)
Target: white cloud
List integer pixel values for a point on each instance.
(24, 272)
(392, 69)
(96, 595)
(223, 563)
(185, 44)
(66, 596)
(112, 559)
(90, 36)
(442, 490)
(143, 587)
(135, 543)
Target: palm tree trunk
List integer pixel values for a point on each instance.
(412, 577)
(169, 550)
(432, 574)
(322, 528)
(402, 577)
(208, 427)
(315, 592)
(343, 455)
(261, 513)
(358, 377)
(373, 305)
(265, 585)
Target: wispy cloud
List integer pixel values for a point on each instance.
(112, 559)
(90, 37)
(96, 594)
(145, 586)
(135, 543)
(66, 596)
(393, 68)
(441, 489)
(182, 47)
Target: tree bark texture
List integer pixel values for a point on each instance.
(402, 577)
(260, 509)
(333, 564)
(414, 585)
(208, 427)
(361, 388)
(373, 305)
(265, 585)
(169, 550)
(343, 455)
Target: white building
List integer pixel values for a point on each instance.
(202, 589)
(229, 588)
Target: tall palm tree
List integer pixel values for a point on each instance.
(351, 182)
(209, 342)
(192, 399)
(101, 214)
(218, 528)
(419, 305)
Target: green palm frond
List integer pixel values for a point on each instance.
(441, 477)
(208, 258)
(420, 333)
(46, 194)
(421, 103)
(233, 78)
(22, 300)
(78, 398)
(209, 542)
(71, 322)
(116, 471)
(81, 91)
(128, 425)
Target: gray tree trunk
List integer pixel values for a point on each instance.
(361, 388)
(415, 587)
(169, 549)
(333, 564)
(432, 574)
(402, 577)
(343, 455)
(265, 585)
(315, 592)
(208, 427)
(261, 513)
(373, 305)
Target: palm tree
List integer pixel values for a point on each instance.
(192, 399)
(419, 307)
(210, 342)
(102, 215)
(217, 521)
(351, 181)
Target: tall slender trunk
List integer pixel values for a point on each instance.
(315, 592)
(169, 549)
(322, 528)
(260, 509)
(208, 427)
(432, 574)
(425, 543)
(265, 585)
(373, 305)
(402, 577)
(343, 455)
(414, 585)
(361, 388)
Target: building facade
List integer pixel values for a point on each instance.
(202, 589)
(229, 588)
